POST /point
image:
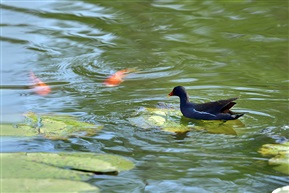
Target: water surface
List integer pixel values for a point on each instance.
(216, 50)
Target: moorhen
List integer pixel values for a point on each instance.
(218, 110)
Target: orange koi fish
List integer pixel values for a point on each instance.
(117, 78)
(38, 86)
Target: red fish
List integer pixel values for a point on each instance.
(117, 78)
(38, 86)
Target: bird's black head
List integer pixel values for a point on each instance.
(178, 91)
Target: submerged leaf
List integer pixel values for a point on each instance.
(171, 120)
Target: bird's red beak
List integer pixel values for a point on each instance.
(171, 94)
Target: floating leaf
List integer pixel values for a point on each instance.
(36, 172)
(76, 162)
(281, 156)
(16, 165)
(171, 120)
(50, 126)
(116, 161)
(45, 185)
(17, 130)
(274, 149)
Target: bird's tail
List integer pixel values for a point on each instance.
(237, 115)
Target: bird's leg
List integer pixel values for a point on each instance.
(223, 122)
(39, 124)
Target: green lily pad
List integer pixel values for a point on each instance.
(115, 161)
(172, 120)
(45, 185)
(274, 149)
(17, 130)
(165, 119)
(281, 156)
(76, 162)
(50, 126)
(16, 165)
(57, 172)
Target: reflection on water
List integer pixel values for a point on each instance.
(215, 49)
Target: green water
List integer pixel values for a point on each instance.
(216, 49)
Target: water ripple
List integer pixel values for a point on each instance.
(214, 49)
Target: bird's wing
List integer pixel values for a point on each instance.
(221, 106)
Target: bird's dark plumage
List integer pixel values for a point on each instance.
(217, 110)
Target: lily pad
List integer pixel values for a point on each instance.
(117, 162)
(56, 172)
(172, 120)
(17, 130)
(50, 126)
(281, 156)
(45, 185)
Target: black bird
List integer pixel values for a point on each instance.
(217, 110)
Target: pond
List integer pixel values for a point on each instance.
(215, 49)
